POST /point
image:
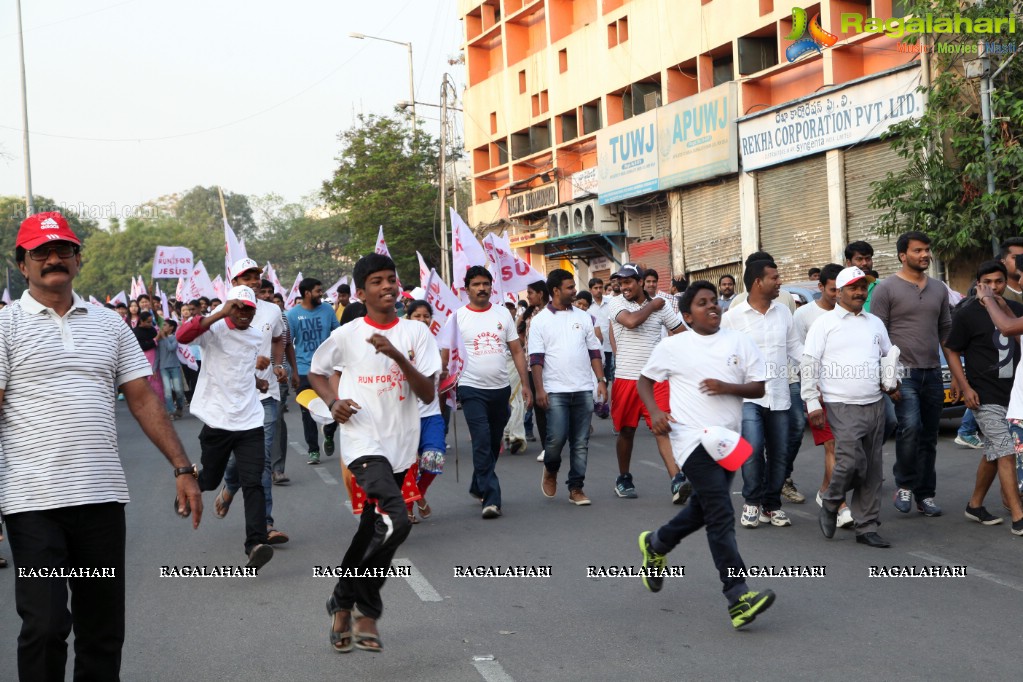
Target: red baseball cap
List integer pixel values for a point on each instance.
(40, 228)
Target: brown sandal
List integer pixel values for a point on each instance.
(367, 641)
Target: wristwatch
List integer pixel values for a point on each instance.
(191, 470)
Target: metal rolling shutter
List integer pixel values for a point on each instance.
(712, 275)
(653, 254)
(650, 221)
(863, 165)
(792, 202)
(711, 226)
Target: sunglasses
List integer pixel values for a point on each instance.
(63, 250)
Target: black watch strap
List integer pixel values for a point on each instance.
(191, 470)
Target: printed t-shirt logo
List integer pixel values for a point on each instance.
(733, 360)
(487, 343)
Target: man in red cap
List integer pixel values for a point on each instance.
(63, 498)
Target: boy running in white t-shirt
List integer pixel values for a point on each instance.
(386, 363)
(710, 372)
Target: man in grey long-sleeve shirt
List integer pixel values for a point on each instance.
(914, 309)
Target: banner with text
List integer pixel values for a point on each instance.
(840, 117)
(172, 261)
(696, 137)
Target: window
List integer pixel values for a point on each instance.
(522, 82)
(563, 60)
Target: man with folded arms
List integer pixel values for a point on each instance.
(842, 366)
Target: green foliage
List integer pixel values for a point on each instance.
(386, 176)
(944, 192)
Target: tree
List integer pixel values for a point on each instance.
(943, 189)
(12, 213)
(386, 175)
(199, 208)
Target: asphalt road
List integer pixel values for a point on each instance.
(569, 626)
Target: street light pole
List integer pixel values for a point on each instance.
(443, 180)
(411, 78)
(29, 203)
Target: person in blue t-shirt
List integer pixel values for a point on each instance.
(311, 322)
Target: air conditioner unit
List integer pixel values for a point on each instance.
(590, 216)
(559, 220)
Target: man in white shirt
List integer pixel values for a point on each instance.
(564, 357)
(637, 320)
(803, 319)
(841, 367)
(601, 311)
(270, 366)
(62, 486)
(385, 364)
(765, 421)
(226, 400)
(711, 370)
(488, 332)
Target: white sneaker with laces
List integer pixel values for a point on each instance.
(750, 515)
(775, 518)
(845, 517)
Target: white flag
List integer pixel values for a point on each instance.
(424, 272)
(293, 295)
(142, 286)
(219, 288)
(164, 305)
(179, 292)
(234, 250)
(7, 296)
(466, 253)
(186, 358)
(200, 284)
(270, 274)
(511, 273)
(120, 298)
(381, 248)
(332, 291)
(441, 299)
(92, 299)
(450, 338)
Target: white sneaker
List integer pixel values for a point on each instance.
(845, 517)
(775, 518)
(750, 515)
(539, 458)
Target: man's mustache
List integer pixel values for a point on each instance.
(55, 268)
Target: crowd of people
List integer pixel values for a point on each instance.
(725, 382)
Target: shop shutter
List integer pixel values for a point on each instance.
(653, 254)
(651, 220)
(711, 226)
(712, 275)
(792, 203)
(865, 164)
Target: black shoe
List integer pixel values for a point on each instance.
(873, 539)
(531, 438)
(747, 607)
(328, 446)
(259, 556)
(829, 521)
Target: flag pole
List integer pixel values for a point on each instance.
(223, 208)
(454, 427)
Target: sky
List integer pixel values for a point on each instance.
(130, 100)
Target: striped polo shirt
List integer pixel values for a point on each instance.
(57, 428)
(634, 346)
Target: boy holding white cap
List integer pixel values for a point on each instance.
(710, 372)
(841, 366)
(226, 399)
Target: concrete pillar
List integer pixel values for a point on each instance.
(835, 160)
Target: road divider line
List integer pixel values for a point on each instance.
(970, 570)
(657, 465)
(327, 478)
(491, 670)
(423, 589)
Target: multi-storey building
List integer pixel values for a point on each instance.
(683, 134)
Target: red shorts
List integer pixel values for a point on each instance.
(822, 435)
(409, 489)
(627, 408)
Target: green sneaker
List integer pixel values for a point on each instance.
(652, 560)
(744, 610)
(328, 446)
(314, 457)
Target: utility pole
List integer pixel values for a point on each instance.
(444, 256)
(986, 88)
(29, 203)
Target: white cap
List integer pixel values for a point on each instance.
(243, 294)
(850, 275)
(241, 265)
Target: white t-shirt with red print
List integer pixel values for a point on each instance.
(387, 422)
(486, 334)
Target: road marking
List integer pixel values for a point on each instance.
(801, 514)
(970, 570)
(656, 465)
(327, 478)
(491, 670)
(423, 589)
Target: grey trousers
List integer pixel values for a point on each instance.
(859, 433)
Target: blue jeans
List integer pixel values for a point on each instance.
(568, 420)
(916, 440)
(797, 425)
(763, 474)
(172, 383)
(710, 505)
(486, 413)
(279, 447)
(231, 481)
(967, 427)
